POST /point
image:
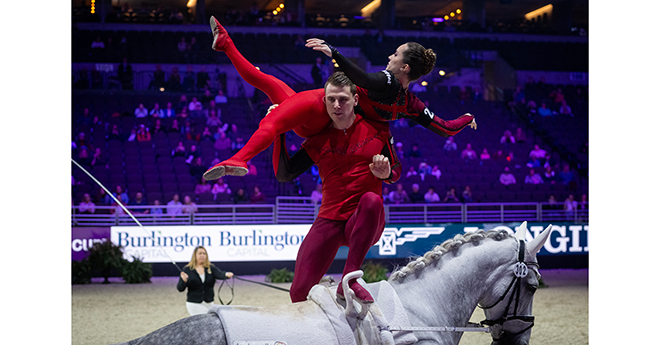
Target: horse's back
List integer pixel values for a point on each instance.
(197, 329)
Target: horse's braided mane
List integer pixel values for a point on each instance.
(447, 246)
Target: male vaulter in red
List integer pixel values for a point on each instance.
(353, 155)
(384, 94)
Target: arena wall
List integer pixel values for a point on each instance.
(257, 249)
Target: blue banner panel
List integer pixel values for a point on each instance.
(404, 241)
(84, 238)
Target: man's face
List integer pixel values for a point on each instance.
(339, 102)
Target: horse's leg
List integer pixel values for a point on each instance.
(197, 329)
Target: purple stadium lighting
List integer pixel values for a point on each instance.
(438, 20)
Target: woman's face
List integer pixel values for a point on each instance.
(200, 256)
(396, 63)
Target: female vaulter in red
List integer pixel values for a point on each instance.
(384, 96)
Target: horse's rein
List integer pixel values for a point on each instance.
(472, 327)
(231, 287)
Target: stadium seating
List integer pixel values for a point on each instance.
(149, 167)
(156, 46)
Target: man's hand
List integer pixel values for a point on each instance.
(271, 108)
(380, 167)
(319, 45)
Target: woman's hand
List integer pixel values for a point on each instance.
(319, 45)
(184, 276)
(380, 167)
(473, 124)
(229, 274)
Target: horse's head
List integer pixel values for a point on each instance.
(509, 313)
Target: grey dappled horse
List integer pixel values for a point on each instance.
(493, 270)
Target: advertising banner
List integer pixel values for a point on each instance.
(404, 241)
(223, 242)
(277, 242)
(84, 238)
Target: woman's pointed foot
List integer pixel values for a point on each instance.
(220, 36)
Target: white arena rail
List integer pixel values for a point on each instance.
(302, 210)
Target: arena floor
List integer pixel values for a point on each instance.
(118, 312)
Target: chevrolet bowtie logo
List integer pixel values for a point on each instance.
(392, 237)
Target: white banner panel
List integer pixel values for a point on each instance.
(222, 242)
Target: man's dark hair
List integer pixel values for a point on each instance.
(340, 79)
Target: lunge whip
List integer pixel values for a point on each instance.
(125, 210)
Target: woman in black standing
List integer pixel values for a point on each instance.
(199, 277)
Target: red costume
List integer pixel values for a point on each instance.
(352, 211)
(382, 98)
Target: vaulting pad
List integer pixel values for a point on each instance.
(319, 320)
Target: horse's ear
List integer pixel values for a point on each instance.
(537, 243)
(522, 231)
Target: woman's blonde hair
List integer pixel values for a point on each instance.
(193, 261)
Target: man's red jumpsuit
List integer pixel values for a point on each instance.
(351, 213)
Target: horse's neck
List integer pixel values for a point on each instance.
(446, 292)
(437, 299)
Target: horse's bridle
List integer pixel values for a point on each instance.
(507, 325)
(512, 324)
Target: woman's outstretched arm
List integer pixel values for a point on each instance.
(378, 81)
